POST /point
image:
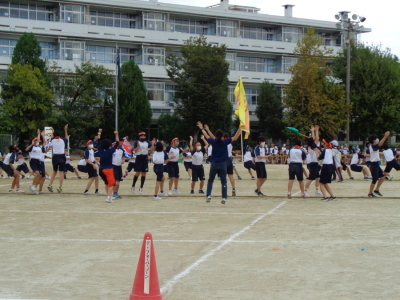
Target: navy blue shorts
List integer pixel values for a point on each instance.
(314, 169)
(392, 165)
(326, 174)
(198, 173)
(8, 170)
(82, 169)
(296, 171)
(250, 165)
(356, 168)
(261, 170)
(376, 171)
(131, 166)
(141, 163)
(58, 161)
(173, 169)
(69, 167)
(229, 167)
(118, 173)
(34, 164)
(92, 172)
(23, 168)
(159, 170)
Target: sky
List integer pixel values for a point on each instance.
(380, 15)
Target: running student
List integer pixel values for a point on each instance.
(91, 167)
(70, 168)
(173, 167)
(295, 160)
(248, 160)
(59, 146)
(8, 167)
(391, 161)
(354, 165)
(326, 171)
(160, 158)
(22, 166)
(36, 152)
(219, 156)
(141, 148)
(198, 153)
(261, 156)
(187, 160)
(377, 174)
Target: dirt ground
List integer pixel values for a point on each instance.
(75, 246)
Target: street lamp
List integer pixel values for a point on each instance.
(348, 25)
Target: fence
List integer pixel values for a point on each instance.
(5, 141)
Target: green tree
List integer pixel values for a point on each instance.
(202, 85)
(269, 110)
(80, 98)
(27, 51)
(375, 89)
(171, 126)
(27, 99)
(311, 96)
(133, 104)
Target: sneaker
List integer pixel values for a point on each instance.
(59, 190)
(332, 199)
(223, 200)
(175, 191)
(20, 191)
(170, 193)
(378, 193)
(23, 176)
(233, 193)
(86, 192)
(32, 188)
(256, 191)
(253, 178)
(340, 180)
(367, 178)
(133, 189)
(116, 195)
(240, 178)
(11, 191)
(289, 195)
(28, 177)
(305, 194)
(192, 191)
(38, 192)
(201, 192)
(325, 199)
(50, 188)
(351, 178)
(190, 178)
(79, 177)
(260, 194)
(157, 198)
(318, 193)
(390, 178)
(98, 193)
(162, 194)
(109, 199)
(125, 175)
(140, 190)
(208, 199)
(371, 195)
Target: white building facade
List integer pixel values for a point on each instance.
(260, 46)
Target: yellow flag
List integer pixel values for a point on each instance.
(242, 110)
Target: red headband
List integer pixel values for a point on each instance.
(142, 133)
(88, 142)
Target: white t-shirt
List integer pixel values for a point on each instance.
(59, 145)
(35, 152)
(158, 158)
(174, 152)
(389, 156)
(247, 156)
(117, 157)
(328, 158)
(197, 157)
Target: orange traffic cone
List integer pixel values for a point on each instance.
(146, 286)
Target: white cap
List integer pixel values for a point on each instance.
(335, 143)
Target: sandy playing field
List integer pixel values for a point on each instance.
(75, 246)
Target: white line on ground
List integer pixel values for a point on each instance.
(202, 259)
(330, 242)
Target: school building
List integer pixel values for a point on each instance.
(260, 46)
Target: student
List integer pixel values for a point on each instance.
(229, 165)
(377, 174)
(131, 164)
(337, 161)
(91, 168)
(36, 151)
(141, 148)
(59, 145)
(261, 156)
(326, 171)
(106, 170)
(282, 154)
(313, 153)
(8, 167)
(159, 158)
(187, 160)
(117, 161)
(248, 160)
(173, 167)
(70, 168)
(82, 165)
(295, 160)
(219, 157)
(1, 163)
(22, 166)
(354, 165)
(391, 161)
(198, 153)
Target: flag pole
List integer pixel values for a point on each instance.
(116, 88)
(241, 136)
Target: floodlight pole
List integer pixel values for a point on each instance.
(348, 83)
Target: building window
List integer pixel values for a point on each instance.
(72, 14)
(288, 62)
(153, 21)
(49, 50)
(28, 11)
(154, 56)
(72, 50)
(251, 95)
(127, 54)
(7, 47)
(100, 54)
(169, 95)
(155, 91)
(257, 64)
(111, 19)
(261, 33)
(231, 59)
(188, 26)
(292, 34)
(226, 28)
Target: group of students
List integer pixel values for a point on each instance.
(104, 158)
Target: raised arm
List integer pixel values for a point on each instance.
(202, 129)
(316, 134)
(210, 134)
(237, 134)
(387, 134)
(205, 142)
(66, 131)
(116, 136)
(191, 143)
